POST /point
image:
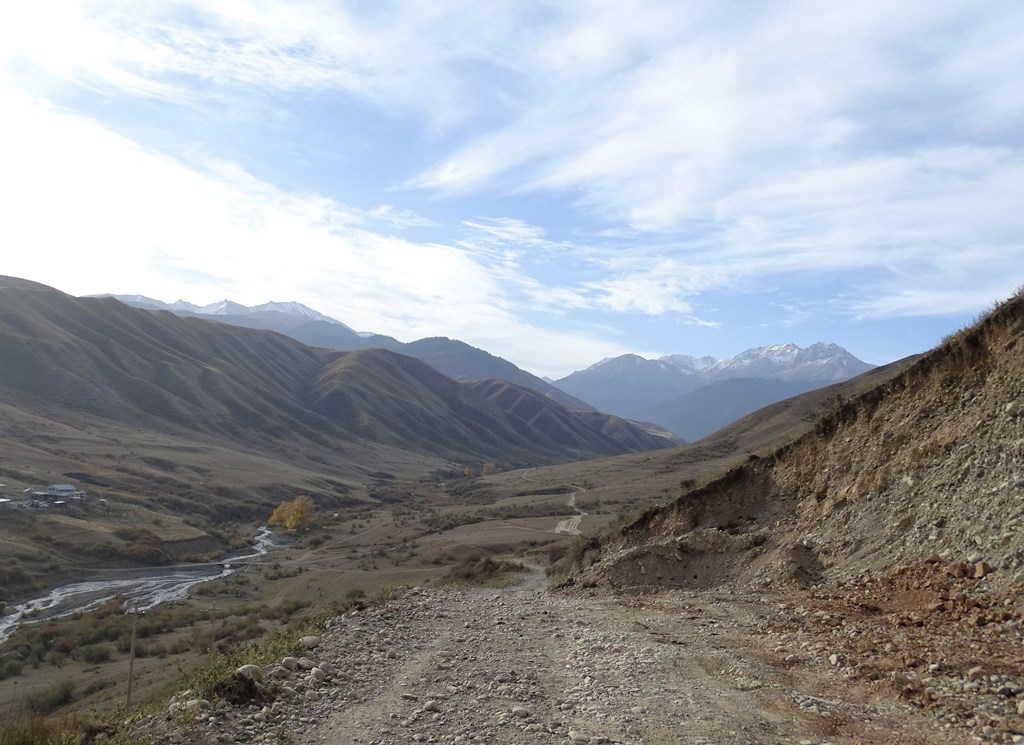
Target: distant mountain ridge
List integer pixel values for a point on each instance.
(688, 396)
(226, 308)
(454, 358)
(100, 358)
(819, 362)
(678, 392)
(689, 363)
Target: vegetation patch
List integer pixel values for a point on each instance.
(47, 700)
(15, 580)
(31, 728)
(484, 570)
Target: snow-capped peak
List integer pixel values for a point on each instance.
(137, 300)
(231, 308)
(621, 360)
(295, 309)
(819, 361)
(759, 360)
(223, 308)
(689, 363)
(183, 305)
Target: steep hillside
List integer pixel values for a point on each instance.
(204, 419)
(578, 429)
(387, 397)
(460, 361)
(99, 357)
(452, 357)
(384, 396)
(926, 464)
(96, 357)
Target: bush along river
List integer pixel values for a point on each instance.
(142, 588)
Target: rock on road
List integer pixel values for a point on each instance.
(522, 665)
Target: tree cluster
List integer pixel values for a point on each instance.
(293, 516)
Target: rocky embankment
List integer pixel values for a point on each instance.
(928, 462)
(522, 665)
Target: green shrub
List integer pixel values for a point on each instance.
(48, 700)
(94, 654)
(9, 668)
(96, 686)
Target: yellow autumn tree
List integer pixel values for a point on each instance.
(294, 515)
(489, 469)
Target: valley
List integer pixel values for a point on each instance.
(842, 566)
(513, 373)
(395, 529)
(405, 534)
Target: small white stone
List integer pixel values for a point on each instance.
(250, 672)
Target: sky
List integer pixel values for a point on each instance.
(554, 182)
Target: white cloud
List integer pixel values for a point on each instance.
(894, 301)
(91, 211)
(803, 137)
(508, 231)
(713, 146)
(88, 211)
(387, 214)
(410, 55)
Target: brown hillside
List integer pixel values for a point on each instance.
(390, 398)
(230, 419)
(96, 357)
(584, 430)
(927, 463)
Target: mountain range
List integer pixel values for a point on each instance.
(81, 372)
(686, 395)
(695, 396)
(454, 358)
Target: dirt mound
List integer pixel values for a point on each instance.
(940, 636)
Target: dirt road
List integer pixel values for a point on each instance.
(571, 525)
(523, 665)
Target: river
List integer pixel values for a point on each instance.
(142, 588)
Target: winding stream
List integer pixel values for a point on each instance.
(143, 588)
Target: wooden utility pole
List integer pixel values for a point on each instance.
(131, 656)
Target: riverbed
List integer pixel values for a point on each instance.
(142, 588)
